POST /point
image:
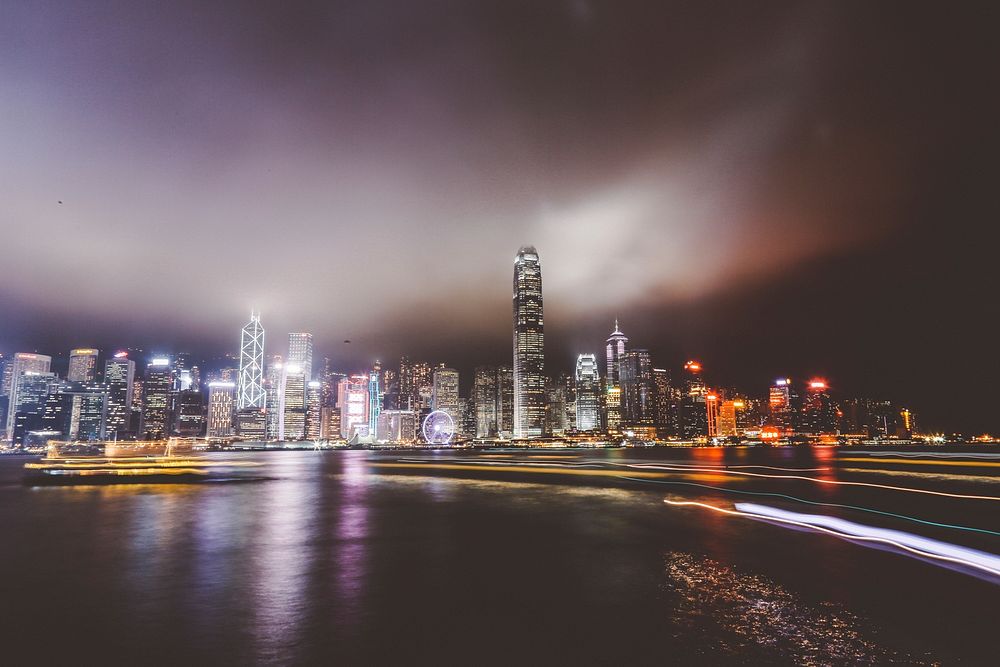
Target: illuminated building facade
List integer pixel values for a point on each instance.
(274, 387)
(32, 390)
(251, 393)
(330, 422)
(314, 409)
(423, 386)
(819, 414)
(189, 413)
(20, 365)
(782, 403)
(300, 352)
(588, 388)
(119, 376)
(613, 409)
(352, 397)
(693, 413)
(529, 345)
(638, 395)
(221, 409)
(614, 354)
(397, 426)
(555, 409)
(484, 400)
(666, 403)
(156, 389)
(407, 388)
(712, 414)
(505, 402)
(729, 417)
(293, 403)
(374, 399)
(82, 365)
(445, 393)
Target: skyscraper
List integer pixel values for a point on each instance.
(819, 414)
(22, 364)
(693, 413)
(251, 379)
(615, 352)
(221, 404)
(156, 388)
(293, 403)
(352, 397)
(374, 399)
(445, 393)
(484, 399)
(783, 405)
(314, 410)
(300, 352)
(588, 387)
(555, 408)
(82, 365)
(638, 389)
(119, 376)
(712, 414)
(505, 402)
(189, 413)
(529, 345)
(32, 388)
(407, 390)
(274, 386)
(666, 404)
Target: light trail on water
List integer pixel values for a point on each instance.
(914, 544)
(817, 480)
(819, 504)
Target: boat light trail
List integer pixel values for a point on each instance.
(940, 455)
(919, 546)
(837, 482)
(819, 504)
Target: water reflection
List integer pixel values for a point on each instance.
(757, 620)
(281, 557)
(351, 533)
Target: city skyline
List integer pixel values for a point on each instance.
(821, 224)
(639, 394)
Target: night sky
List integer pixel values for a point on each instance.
(773, 188)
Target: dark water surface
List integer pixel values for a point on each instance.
(339, 557)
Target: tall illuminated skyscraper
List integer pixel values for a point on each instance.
(293, 403)
(374, 399)
(220, 409)
(588, 399)
(119, 376)
(314, 410)
(615, 352)
(638, 405)
(82, 365)
(484, 399)
(250, 393)
(274, 386)
(529, 345)
(352, 397)
(505, 402)
(22, 364)
(445, 392)
(156, 388)
(300, 352)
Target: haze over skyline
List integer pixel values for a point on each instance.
(773, 189)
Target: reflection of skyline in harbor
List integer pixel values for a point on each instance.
(334, 550)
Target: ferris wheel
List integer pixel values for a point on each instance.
(438, 428)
